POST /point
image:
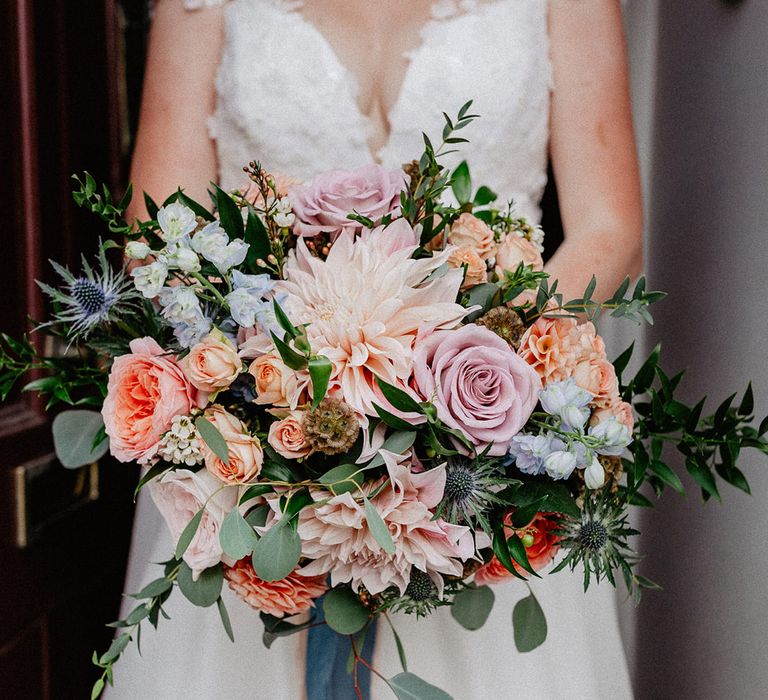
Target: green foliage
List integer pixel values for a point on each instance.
(378, 528)
(213, 438)
(407, 686)
(344, 612)
(275, 627)
(278, 552)
(320, 369)
(76, 438)
(203, 591)
(529, 624)
(88, 196)
(472, 606)
(238, 539)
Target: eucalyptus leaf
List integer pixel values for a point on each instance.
(277, 552)
(237, 537)
(397, 443)
(74, 433)
(225, 618)
(472, 607)
(188, 533)
(213, 438)
(530, 625)
(344, 612)
(203, 591)
(378, 528)
(407, 686)
(343, 479)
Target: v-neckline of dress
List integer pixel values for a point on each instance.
(440, 12)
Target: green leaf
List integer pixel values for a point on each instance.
(257, 239)
(283, 320)
(154, 588)
(621, 362)
(151, 206)
(523, 515)
(472, 607)
(213, 438)
(343, 479)
(237, 537)
(517, 550)
(529, 623)
(196, 207)
(501, 550)
(393, 421)
(225, 618)
(407, 686)
(344, 612)
(702, 476)
(291, 358)
(115, 649)
(397, 443)
(398, 398)
(378, 527)
(206, 590)
(559, 498)
(647, 372)
(484, 195)
(320, 369)
(398, 644)
(461, 183)
(667, 475)
(74, 433)
(98, 687)
(229, 213)
(277, 553)
(188, 533)
(485, 295)
(255, 491)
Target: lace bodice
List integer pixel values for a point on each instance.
(284, 97)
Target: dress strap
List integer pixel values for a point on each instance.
(200, 4)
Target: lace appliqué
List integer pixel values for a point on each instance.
(200, 4)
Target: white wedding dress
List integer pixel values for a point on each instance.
(285, 99)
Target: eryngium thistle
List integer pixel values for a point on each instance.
(91, 299)
(505, 323)
(598, 541)
(469, 490)
(331, 428)
(420, 596)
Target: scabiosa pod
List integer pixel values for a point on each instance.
(97, 296)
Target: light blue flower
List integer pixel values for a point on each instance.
(530, 451)
(568, 401)
(614, 435)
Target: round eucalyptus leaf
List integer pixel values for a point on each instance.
(344, 612)
(529, 624)
(472, 607)
(74, 434)
(277, 553)
(206, 589)
(407, 686)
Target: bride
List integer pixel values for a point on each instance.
(323, 84)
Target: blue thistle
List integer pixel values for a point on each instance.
(91, 299)
(470, 490)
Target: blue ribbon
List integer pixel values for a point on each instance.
(327, 655)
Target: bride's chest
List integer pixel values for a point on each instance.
(284, 85)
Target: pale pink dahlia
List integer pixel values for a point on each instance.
(365, 306)
(335, 534)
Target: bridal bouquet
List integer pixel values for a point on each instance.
(364, 387)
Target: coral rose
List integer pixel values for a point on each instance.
(598, 377)
(287, 437)
(514, 250)
(322, 206)
(291, 595)
(245, 453)
(213, 363)
(475, 267)
(470, 231)
(620, 410)
(276, 384)
(547, 346)
(540, 553)
(146, 390)
(586, 343)
(477, 383)
(179, 494)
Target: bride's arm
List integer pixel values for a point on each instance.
(173, 148)
(593, 147)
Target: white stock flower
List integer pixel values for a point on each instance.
(594, 474)
(560, 464)
(182, 257)
(176, 221)
(137, 250)
(149, 279)
(189, 334)
(214, 245)
(180, 304)
(567, 400)
(246, 303)
(615, 436)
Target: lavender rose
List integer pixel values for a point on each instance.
(322, 206)
(477, 383)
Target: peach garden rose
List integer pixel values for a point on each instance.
(470, 231)
(245, 452)
(514, 250)
(287, 438)
(213, 363)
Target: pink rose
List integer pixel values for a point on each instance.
(621, 411)
(322, 206)
(477, 383)
(213, 364)
(514, 250)
(179, 494)
(475, 272)
(598, 377)
(286, 437)
(146, 390)
(470, 231)
(245, 453)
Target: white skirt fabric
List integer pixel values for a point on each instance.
(190, 657)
